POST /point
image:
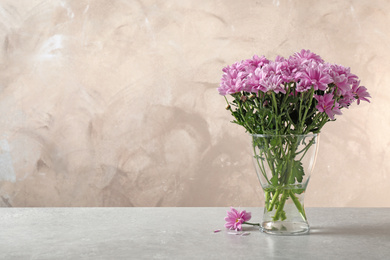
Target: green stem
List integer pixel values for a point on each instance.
(243, 117)
(307, 148)
(267, 199)
(274, 199)
(300, 109)
(279, 212)
(311, 96)
(298, 204)
(261, 167)
(275, 106)
(230, 108)
(253, 224)
(290, 162)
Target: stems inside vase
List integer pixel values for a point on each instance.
(281, 162)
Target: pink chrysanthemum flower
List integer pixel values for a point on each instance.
(360, 92)
(267, 79)
(346, 99)
(235, 219)
(255, 62)
(314, 76)
(233, 79)
(327, 104)
(342, 78)
(272, 83)
(286, 70)
(305, 56)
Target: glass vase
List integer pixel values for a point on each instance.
(283, 165)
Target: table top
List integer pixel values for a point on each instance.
(186, 233)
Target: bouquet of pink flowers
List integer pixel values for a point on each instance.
(297, 95)
(285, 100)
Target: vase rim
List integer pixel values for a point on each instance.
(299, 135)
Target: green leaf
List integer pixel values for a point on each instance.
(274, 180)
(297, 172)
(274, 141)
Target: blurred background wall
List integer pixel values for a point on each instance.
(114, 103)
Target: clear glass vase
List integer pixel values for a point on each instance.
(283, 165)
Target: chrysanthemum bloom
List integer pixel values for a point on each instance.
(313, 76)
(360, 93)
(235, 219)
(232, 79)
(254, 63)
(267, 79)
(272, 83)
(342, 78)
(305, 56)
(327, 104)
(347, 99)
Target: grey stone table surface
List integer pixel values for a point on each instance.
(186, 233)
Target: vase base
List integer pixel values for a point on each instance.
(284, 228)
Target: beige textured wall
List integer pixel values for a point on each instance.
(114, 103)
